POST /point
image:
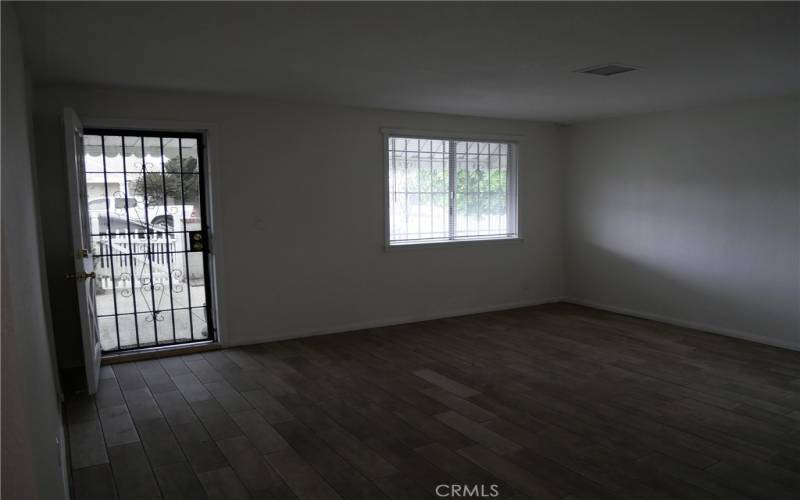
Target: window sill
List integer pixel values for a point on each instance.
(450, 243)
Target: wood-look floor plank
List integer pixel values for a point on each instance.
(117, 425)
(179, 482)
(132, 473)
(478, 433)
(155, 376)
(109, 394)
(174, 408)
(222, 484)
(461, 470)
(243, 359)
(174, 365)
(221, 362)
(204, 456)
(141, 404)
(716, 487)
(191, 388)
(304, 481)
(107, 372)
(342, 476)
(263, 436)
(206, 407)
(87, 446)
(159, 442)
(446, 383)
(462, 406)
(94, 483)
(80, 408)
(220, 425)
(757, 479)
(435, 430)
(516, 476)
(555, 401)
(203, 370)
(269, 407)
(242, 380)
(252, 468)
(370, 463)
(128, 376)
(228, 397)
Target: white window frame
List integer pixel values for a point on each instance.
(512, 189)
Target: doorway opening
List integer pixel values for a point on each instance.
(146, 208)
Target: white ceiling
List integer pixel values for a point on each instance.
(512, 60)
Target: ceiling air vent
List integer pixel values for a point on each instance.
(607, 69)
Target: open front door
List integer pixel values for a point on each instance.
(81, 247)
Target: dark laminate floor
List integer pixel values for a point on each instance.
(551, 402)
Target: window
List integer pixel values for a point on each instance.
(447, 189)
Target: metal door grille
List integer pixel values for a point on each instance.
(146, 206)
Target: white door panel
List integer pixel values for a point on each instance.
(81, 247)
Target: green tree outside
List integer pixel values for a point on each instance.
(156, 184)
(477, 190)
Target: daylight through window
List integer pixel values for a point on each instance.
(450, 189)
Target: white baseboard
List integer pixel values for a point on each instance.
(311, 332)
(795, 346)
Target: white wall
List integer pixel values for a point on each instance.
(325, 269)
(691, 216)
(31, 415)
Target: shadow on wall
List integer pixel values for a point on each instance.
(638, 283)
(53, 204)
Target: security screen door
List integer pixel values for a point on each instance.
(146, 205)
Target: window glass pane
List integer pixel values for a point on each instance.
(92, 153)
(108, 332)
(171, 214)
(482, 176)
(152, 151)
(147, 327)
(133, 183)
(165, 330)
(190, 155)
(183, 329)
(199, 325)
(195, 277)
(127, 332)
(133, 154)
(420, 192)
(419, 184)
(113, 153)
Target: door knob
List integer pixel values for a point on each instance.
(80, 276)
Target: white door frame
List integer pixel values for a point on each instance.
(212, 179)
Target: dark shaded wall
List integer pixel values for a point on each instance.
(32, 431)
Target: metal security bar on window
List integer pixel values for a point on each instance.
(448, 189)
(145, 201)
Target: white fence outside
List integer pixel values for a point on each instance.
(123, 261)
